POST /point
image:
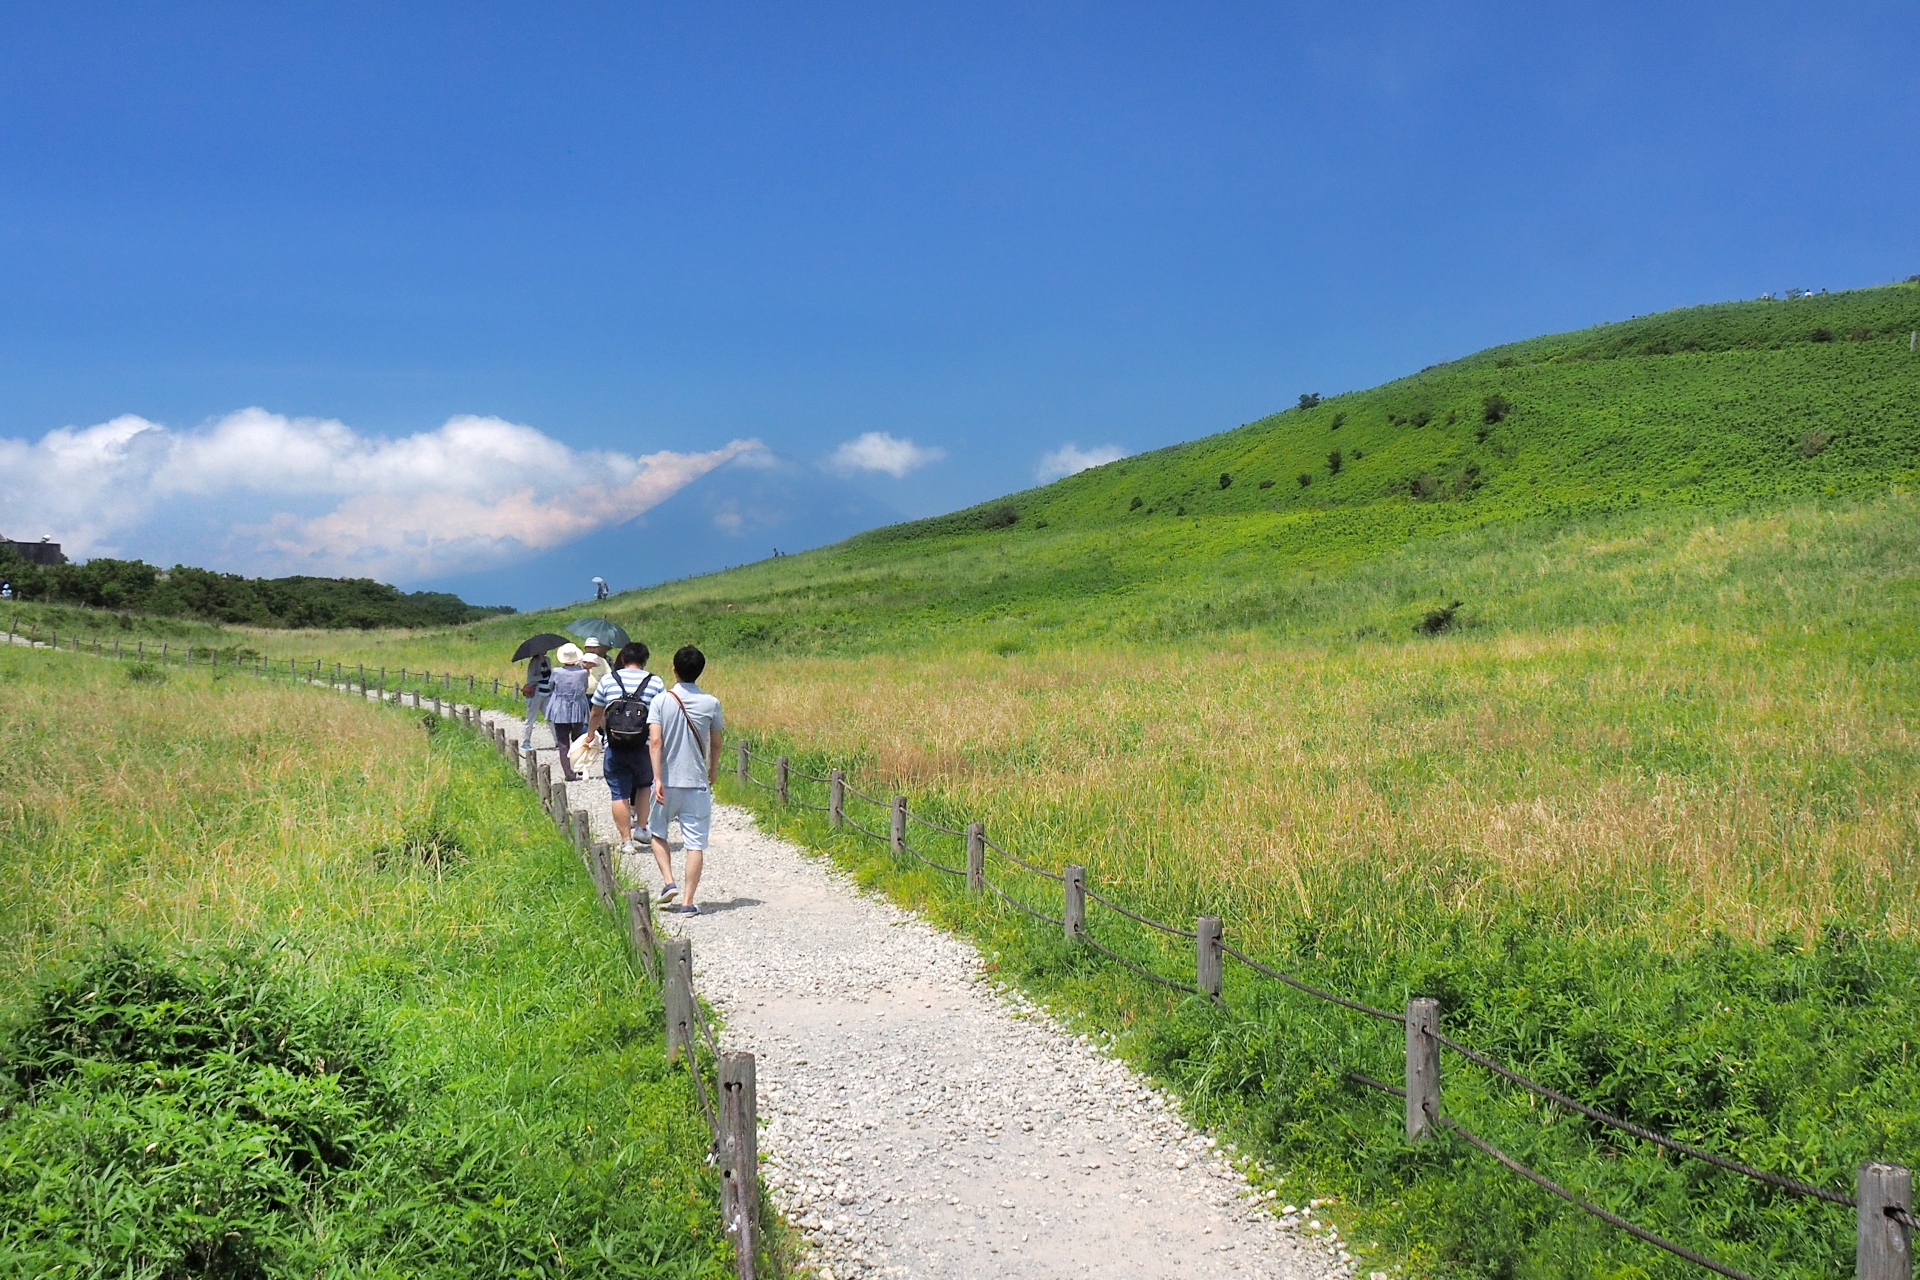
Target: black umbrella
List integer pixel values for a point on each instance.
(541, 643)
(599, 629)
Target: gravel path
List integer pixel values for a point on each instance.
(920, 1121)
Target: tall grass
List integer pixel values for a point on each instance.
(330, 866)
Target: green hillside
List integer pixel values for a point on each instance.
(1707, 408)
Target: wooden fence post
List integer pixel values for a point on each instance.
(640, 930)
(383, 684)
(976, 857)
(603, 873)
(836, 798)
(543, 779)
(1883, 1245)
(1207, 954)
(116, 646)
(739, 1158)
(780, 779)
(898, 836)
(139, 650)
(741, 768)
(1074, 918)
(582, 837)
(676, 993)
(1423, 1067)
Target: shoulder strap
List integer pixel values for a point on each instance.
(685, 715)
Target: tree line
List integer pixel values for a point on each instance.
(183, 591)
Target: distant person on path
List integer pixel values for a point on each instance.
(620, 707)
(539, 684)
(685, 729)
(599, 588)
(567, 704)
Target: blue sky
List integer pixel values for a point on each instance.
(982, 233)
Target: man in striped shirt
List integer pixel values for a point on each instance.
(620, 704)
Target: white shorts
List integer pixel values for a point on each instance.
(693, 806)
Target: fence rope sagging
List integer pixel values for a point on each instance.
(1111, 905)
(1606, 1216)
(1659, 1139)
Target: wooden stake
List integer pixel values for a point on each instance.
(976, 858)
(899, 834)
(780, 780)
(1207, 954)
(1423, 1067)
(739, 1158)
(1074, 918)
(676, 993)
(1883, 1248)
(836, 798)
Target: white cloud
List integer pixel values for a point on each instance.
(314, 495)
(879, 451)
(1070, 458)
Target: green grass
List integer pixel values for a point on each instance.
(296, 988)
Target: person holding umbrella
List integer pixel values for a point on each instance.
(539, 682)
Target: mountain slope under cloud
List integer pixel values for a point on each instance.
(739, 512)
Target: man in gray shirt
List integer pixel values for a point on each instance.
(684, 728)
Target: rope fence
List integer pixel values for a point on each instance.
(1883, 1204)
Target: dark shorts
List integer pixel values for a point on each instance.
(629, 773)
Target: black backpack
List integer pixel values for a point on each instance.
(626, 718)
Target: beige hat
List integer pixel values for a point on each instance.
(569, 654)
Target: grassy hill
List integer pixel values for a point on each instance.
(1706, 409)
(1639, 809)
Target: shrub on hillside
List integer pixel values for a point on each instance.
(1305, 479)
(1309, 399)
(1334, 463)
(1438, 620)
(1339, 420)
(1813, 442)
(1820, 335)
(146, 673)
(1862, 334)
(1266, 484)
(1225, 480)
(1424, 486)
(1134, 505)
(1001, 517)
(1494, 409)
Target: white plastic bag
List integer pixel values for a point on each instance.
(585, 753)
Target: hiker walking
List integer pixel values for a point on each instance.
(685, 725)
(567, 705)
(539, 684)
(620, 703)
